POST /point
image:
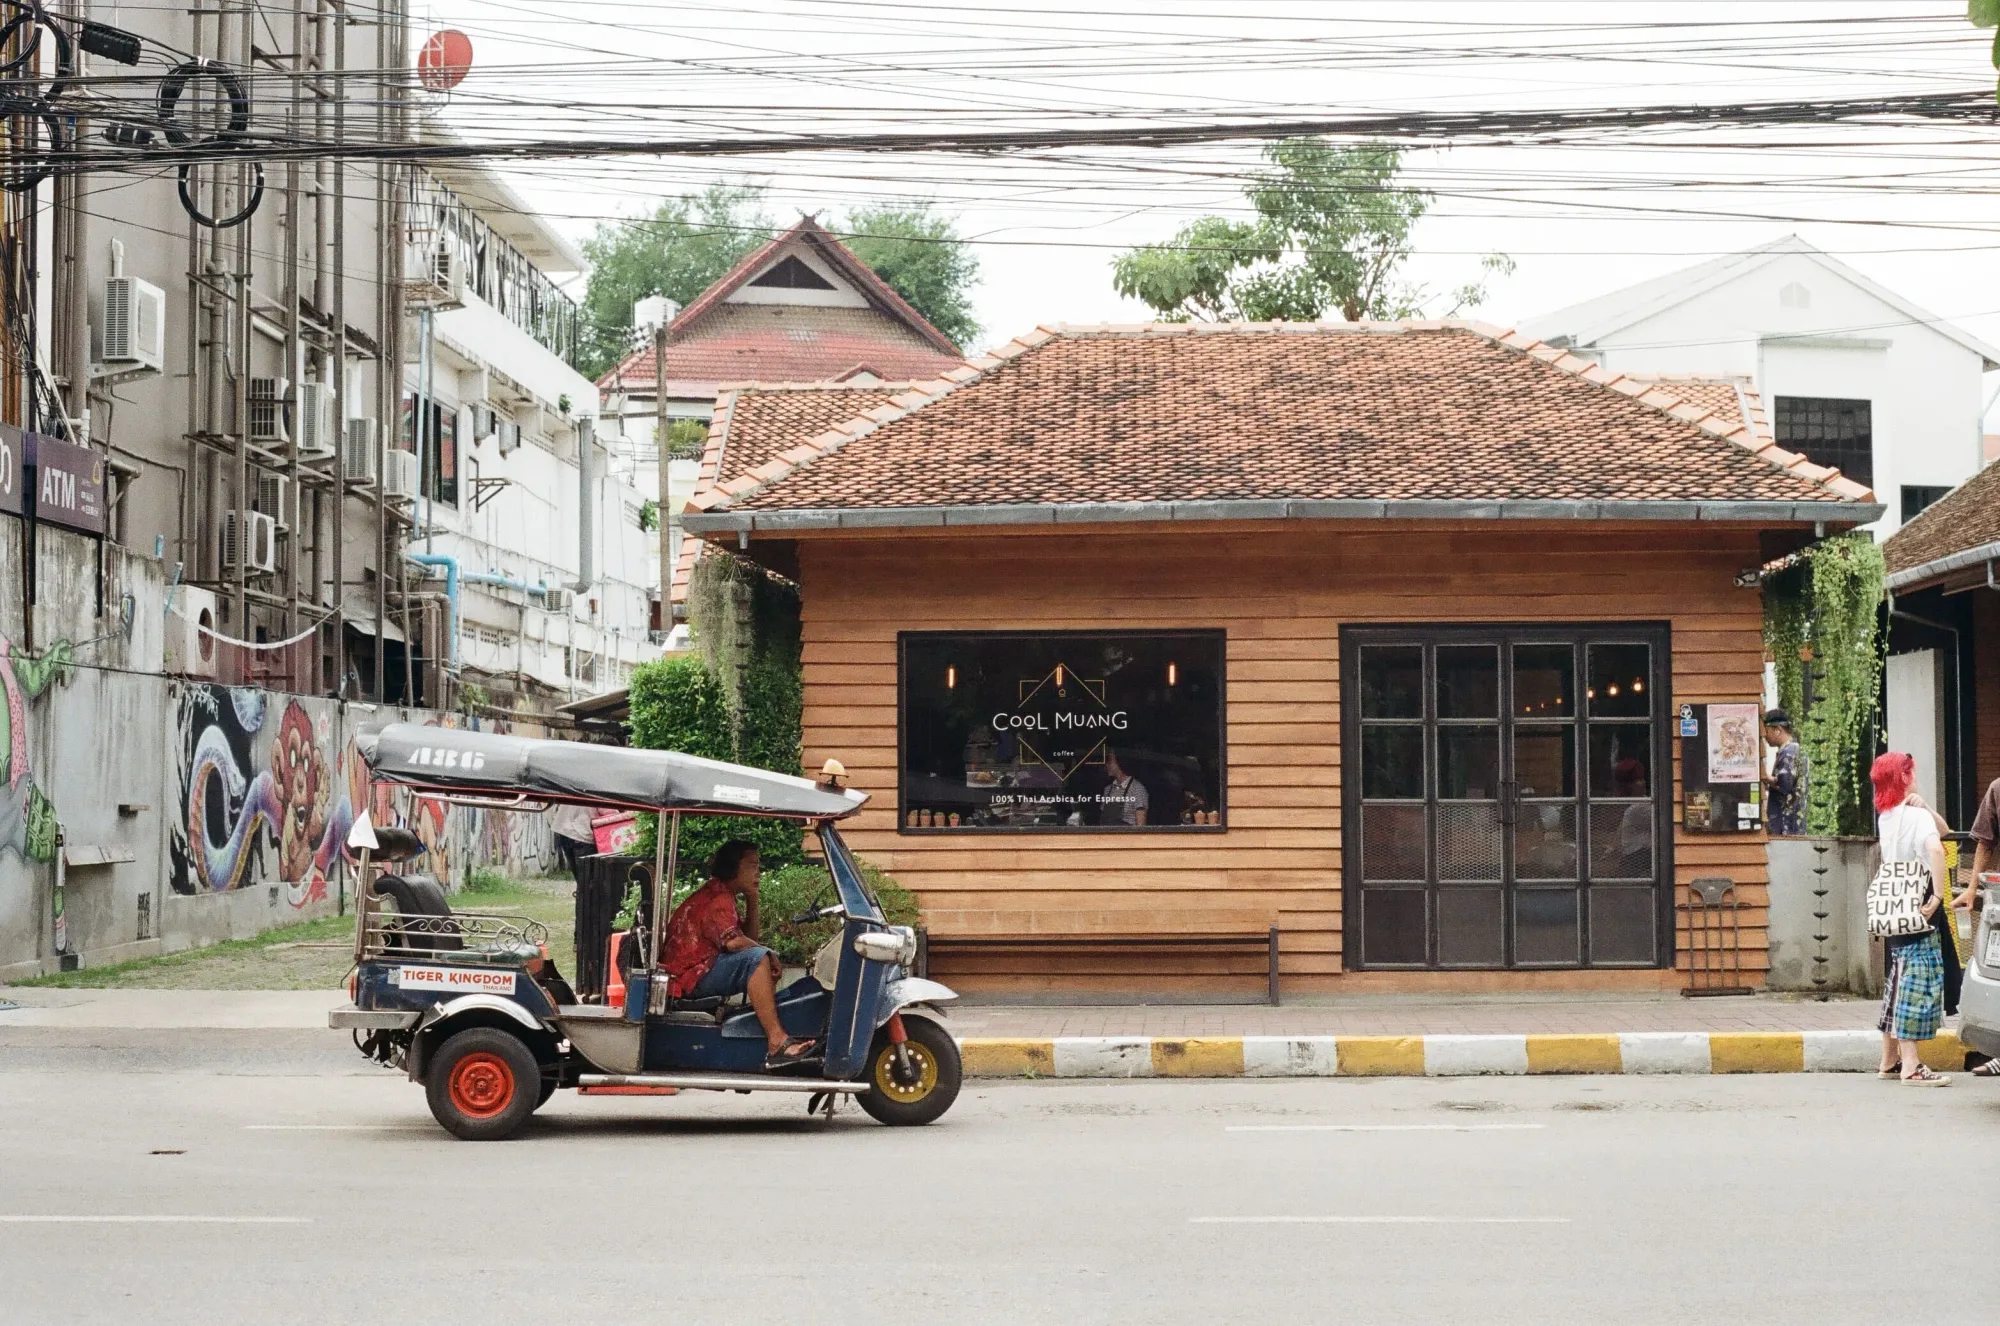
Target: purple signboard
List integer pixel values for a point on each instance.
(12, 457)
(69, 484)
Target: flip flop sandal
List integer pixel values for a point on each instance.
(1924, 1077)
(1991, 1068)
(792, 1050)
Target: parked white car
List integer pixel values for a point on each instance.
(1979, 1001)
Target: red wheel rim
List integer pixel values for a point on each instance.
(482, 1085)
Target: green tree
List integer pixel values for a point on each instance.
(1986, 14)
(679, 251)
(921, 256)
(1331, 232)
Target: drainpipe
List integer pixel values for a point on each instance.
(1952, 798)
(450, 565)
(453, 577)
(586, 497)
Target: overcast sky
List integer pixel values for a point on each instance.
(1910, 207)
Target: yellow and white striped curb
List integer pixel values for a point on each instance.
(1441, 1056)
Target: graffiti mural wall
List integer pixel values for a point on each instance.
(27, 816)
(267, 785)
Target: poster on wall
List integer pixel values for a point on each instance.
(1734, 743)
(1061, 731)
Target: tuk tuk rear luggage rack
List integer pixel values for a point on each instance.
(477, 937)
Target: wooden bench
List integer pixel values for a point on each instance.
(1069, 928)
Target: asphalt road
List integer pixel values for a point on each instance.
(264, 1177)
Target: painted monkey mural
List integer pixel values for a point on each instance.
(27, 816)
(271, 780)
(248, 785)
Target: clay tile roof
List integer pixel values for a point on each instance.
(1966, 520)
(712, 341)
(1383, 412)
(757, 423)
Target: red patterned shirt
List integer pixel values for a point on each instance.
(699, 928)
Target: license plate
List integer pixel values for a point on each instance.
(1991, 960)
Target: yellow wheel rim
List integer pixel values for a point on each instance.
(902, 1093)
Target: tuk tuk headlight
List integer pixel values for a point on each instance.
(897, 944)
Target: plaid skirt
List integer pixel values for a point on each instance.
(1913, 994)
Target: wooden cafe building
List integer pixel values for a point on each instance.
(1392, 637)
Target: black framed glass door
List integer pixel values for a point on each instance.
(1506, 796)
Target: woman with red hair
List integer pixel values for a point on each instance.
(1913, 991)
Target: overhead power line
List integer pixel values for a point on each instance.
(1975, 106)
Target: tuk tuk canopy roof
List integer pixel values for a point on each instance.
(487, 764)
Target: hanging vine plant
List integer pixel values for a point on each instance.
(1822, 629)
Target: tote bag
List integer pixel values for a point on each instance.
(1902, 884)
(1896, 898)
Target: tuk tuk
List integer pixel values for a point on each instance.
(467, 1004)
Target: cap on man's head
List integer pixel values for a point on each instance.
(1778, 718)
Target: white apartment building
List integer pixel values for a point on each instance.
(527, 521)
(1854, 375)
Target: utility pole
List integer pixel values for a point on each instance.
(669, 524)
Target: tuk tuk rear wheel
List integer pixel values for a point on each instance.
(483, 1083)
(934, 1055)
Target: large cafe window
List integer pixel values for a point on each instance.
(1061, 731)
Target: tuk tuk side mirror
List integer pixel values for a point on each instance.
(830, 775)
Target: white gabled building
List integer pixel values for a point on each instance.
(1854, 375)
(552, 574)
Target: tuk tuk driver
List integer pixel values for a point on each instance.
(709, 952)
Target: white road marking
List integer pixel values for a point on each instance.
(1377, 1220)
(339, 1127)
(1383, 1127)
(152, 1220)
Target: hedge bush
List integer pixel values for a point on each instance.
(790, 890)
(676, 705)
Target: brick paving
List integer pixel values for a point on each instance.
(1426, 1015)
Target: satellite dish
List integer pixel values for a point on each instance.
(445, 60)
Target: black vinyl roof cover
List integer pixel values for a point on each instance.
(491, 765)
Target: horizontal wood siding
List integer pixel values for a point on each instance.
(1282, 595)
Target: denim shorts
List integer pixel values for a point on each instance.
(731, 973)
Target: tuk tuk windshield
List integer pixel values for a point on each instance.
(855, 895)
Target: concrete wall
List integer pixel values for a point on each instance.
(141, 814)
(1796, 864)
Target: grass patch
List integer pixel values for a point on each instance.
(268, 962)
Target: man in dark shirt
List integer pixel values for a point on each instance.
(1985, 832)
(1786, 787)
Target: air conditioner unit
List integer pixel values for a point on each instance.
(267, 410)
(274, 499)
(190, 652)
(252, 537)
(135, 326)
(315, 421)
(484, 422)
(508, 434)
(363, 442)
(400, 475)
(559, 601)
(432, 277)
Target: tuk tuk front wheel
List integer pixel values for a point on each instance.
(931, 1086)
(483, 1083)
